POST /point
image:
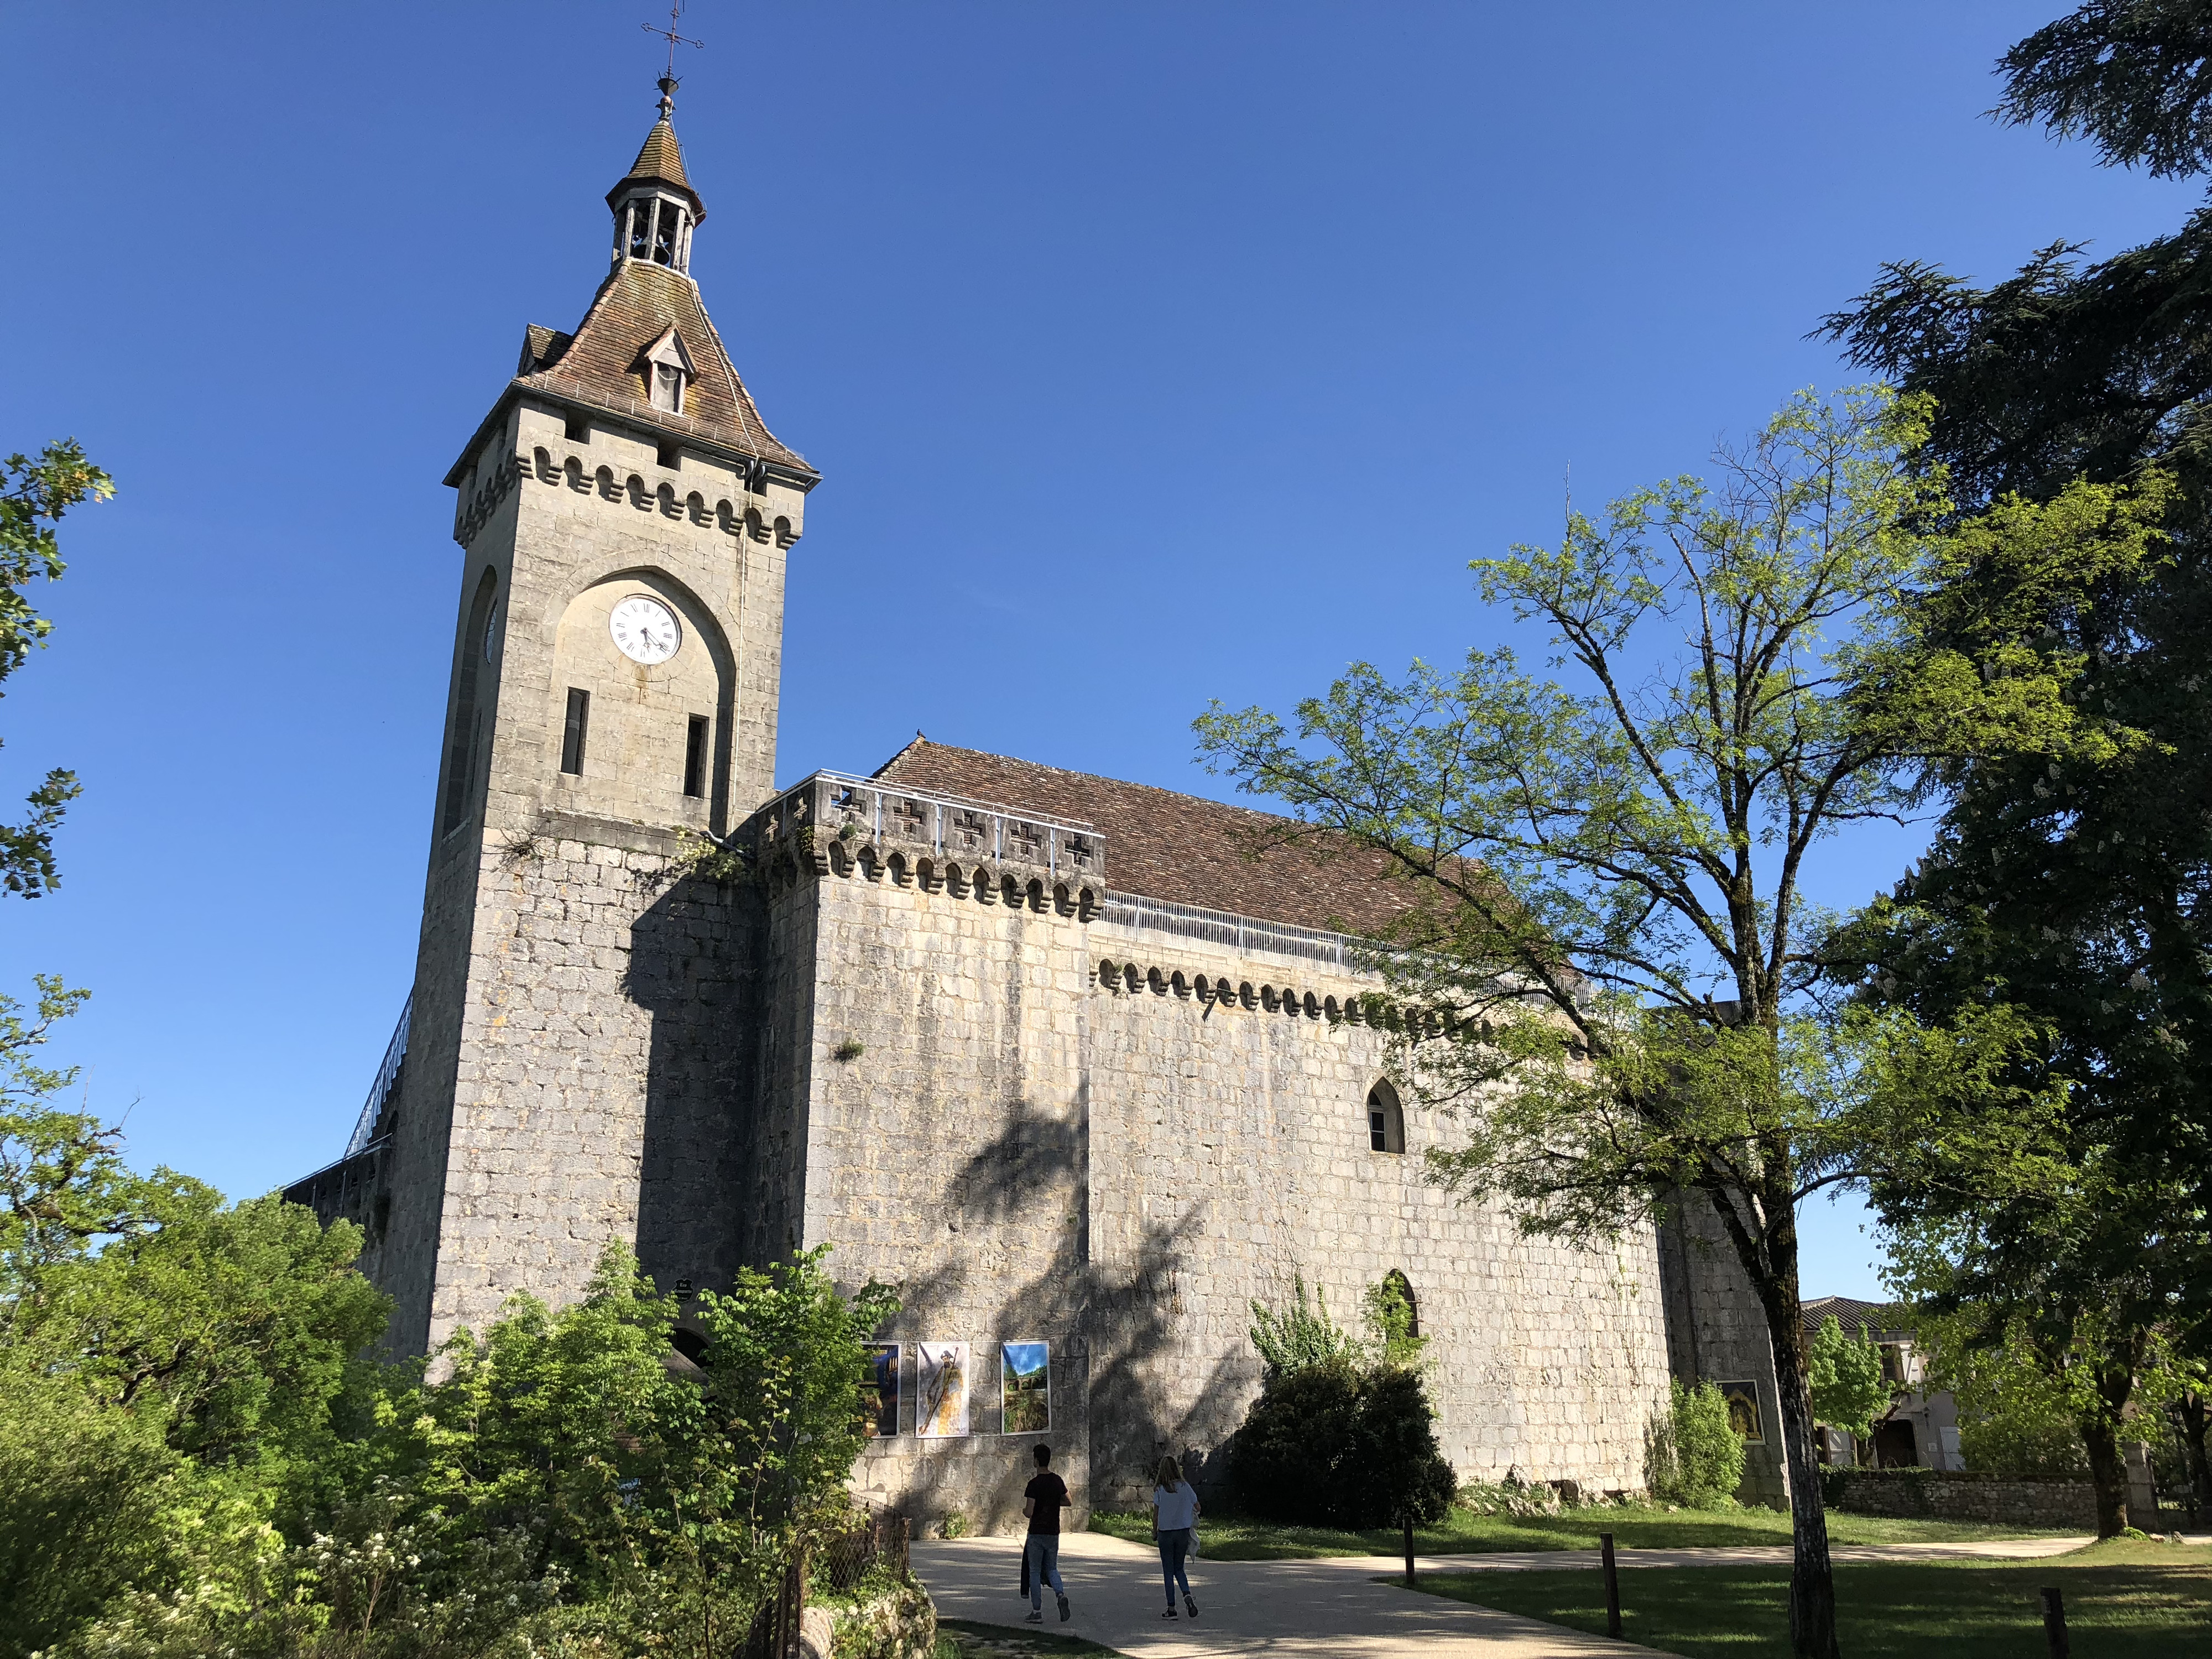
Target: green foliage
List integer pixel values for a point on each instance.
(198, 1455)
(1390, 1319)
(2080, 891)
(1301, 1336)
(1330, 1445)
(33, 496)
(1693, 1455)
(1849, 1390)
(2128, 75)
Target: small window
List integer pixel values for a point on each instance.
(695, 756)
(670, 456)
(1402, 1288)
(576, 430)
(668, 388)
(573, 733)
(1386, 1121)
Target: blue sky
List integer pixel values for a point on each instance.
(1151, 352)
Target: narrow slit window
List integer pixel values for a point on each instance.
(573, 733)
(695, 756)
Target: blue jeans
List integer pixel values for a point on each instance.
(1174, 1547)
(1044, 1566)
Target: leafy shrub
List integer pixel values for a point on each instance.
(1303, 1335)
(1328, 1445)
(1693, 1456)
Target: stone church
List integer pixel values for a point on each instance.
(1049, 1051)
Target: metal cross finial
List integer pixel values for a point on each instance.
(674, 39)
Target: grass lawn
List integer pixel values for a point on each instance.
(2124, 1600)
(1233, 1538)
(970, 1640)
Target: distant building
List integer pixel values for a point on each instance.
(1921, 1428)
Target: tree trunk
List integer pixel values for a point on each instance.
(2108, 1470)
(1769, 1262)
(1811, 1573)
(2189, 1412)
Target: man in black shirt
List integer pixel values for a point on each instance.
(1042, 1500)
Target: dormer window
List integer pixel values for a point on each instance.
(667, 369)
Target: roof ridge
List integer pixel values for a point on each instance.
(1090, 777)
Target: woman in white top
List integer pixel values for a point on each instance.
(1174, 1528)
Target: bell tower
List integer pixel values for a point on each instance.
(623, 516)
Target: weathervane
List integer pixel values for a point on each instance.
(674, 39)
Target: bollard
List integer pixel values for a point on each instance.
(1612, 1587)
(2054, 1622)
(1409, 1550)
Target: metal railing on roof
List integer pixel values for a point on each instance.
(364, 1131)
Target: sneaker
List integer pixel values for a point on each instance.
(1190, 1601)
(1170, 1613)
(1066, 1613)
(1037, 1616)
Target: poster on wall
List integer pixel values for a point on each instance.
(940, 1389)
(1025, 1380)
(1743, 1411)
(880, 1389)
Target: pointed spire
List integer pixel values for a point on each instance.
(660, 159)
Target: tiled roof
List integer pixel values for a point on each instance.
(1180, 848)
(541, 348)
(638, 303)
(1882, 1318)
(660, 161)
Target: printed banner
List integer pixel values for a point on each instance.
(879, 1390)
(1025, 1384)
(940, 1389)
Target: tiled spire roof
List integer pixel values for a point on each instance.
(660, 159)
(639, 302)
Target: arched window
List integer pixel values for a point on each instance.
(1386, 1119)
(1399, 1286)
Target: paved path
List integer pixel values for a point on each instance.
(1327, 1607)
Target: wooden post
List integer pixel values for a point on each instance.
(1409, 1549)
(2054, 1623)
(1612, 1587)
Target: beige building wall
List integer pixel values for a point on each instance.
(578, 1049)
(1112, 1162)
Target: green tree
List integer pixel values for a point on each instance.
(1608, 910)
(2079, 888)
(1849, 1390)
(33, 496)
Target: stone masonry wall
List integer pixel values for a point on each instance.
(1717, 1332)
(1030, 1154)
(1915, 1494)
(584, 1054)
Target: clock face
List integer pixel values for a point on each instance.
(645, 630)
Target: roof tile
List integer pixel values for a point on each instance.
(1180, 848)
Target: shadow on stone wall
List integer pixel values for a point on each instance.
(692, 966)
